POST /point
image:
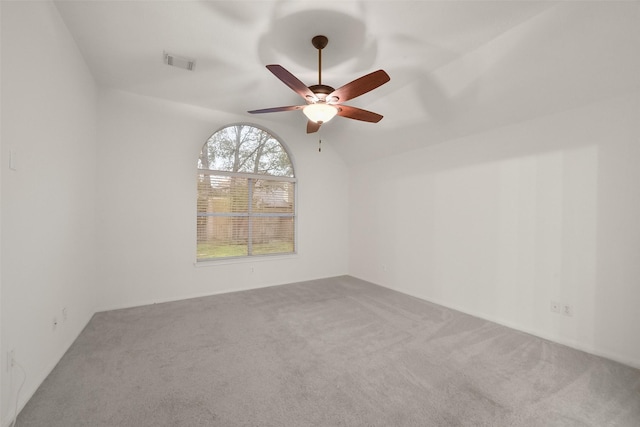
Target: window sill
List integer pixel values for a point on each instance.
(243, 260)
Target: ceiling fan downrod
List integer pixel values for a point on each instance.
(321, 91)
(319, 42)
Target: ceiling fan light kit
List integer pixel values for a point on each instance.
(325, 102)
(320, 112)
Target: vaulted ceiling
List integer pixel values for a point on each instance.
(456, 67)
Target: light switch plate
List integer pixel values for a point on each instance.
(13, 160)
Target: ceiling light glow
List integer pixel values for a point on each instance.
(320, 112)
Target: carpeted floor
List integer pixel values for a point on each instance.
(332, 352)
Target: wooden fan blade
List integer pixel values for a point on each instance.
(358, 114)
(291, 81)
(277, 109)
(312, 126)
(359, 86)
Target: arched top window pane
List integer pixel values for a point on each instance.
(244, 148)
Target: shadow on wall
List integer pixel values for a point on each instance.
(503, 239)
(501, 224)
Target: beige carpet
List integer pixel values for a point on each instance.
(333, 352)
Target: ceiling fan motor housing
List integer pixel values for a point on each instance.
(321, 92)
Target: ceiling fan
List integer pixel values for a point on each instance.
(325, 102)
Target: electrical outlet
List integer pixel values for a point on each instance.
(11, 357)
(561, 308)
(567, 310)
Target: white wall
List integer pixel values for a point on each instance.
(146, 209)
(500, 224)
(2, 371)
(48, 226)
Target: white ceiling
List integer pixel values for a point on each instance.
(456, 67)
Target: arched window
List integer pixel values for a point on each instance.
(246, 195)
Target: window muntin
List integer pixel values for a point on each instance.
(246, 195)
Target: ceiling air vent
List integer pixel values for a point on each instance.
(179, 61)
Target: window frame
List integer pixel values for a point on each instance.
(251, 179)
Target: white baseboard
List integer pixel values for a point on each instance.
(201, 294)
